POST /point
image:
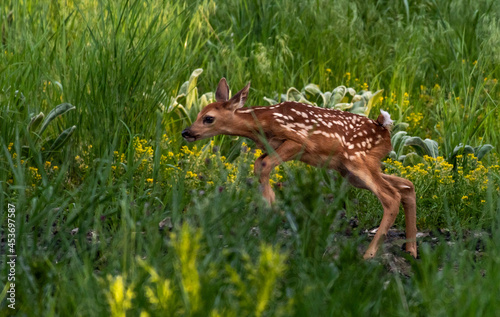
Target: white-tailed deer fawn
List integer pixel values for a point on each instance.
(349, 143)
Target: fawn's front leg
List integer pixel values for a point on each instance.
(264, 165)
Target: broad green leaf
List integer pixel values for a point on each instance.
(337, 96)
(481, 151)
(398, 141)
(35, 121)
(427, 147)
(57, 111)
(184, 88)
(393, 155)
(462, 149)
(312, 89)
(184, 114)
(203, 101)
(174, 102)
(189, 88)
(343, 106)
(433, 147)
(364, 101)
(327, 97)
(357, 98)
(62, 139)
(358, 109)
(401, 126)
(270, 101)
(293, 94)
(304, 100)
(191, 98)
(412, 159)
(372, 101)
(58, 84)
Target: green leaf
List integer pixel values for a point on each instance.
(184, 88)
(428, 147)
(372, 101)
(343, 106)
(398, 140)
(62, 139)
(461, 149)
(35, 121)
(312, 89)
(304, 100)
(192, 92)
(412, 159)
(206, 99)
(270, 101)
(433, 147)
(174, 102)
(327, 97)
(401, 126)
(337, 96)
(57, 111)
(481, 151)
(293, 94)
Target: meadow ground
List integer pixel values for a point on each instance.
(110, 212)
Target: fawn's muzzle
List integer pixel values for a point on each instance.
(188, 135)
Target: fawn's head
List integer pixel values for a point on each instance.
(216, 118)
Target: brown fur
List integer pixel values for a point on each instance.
(346, 142)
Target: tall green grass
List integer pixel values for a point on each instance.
(89, 239)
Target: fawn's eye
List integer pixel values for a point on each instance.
(208, 120)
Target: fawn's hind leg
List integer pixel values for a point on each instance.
(362, 176)
(408, 199)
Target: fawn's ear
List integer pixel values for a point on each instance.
(222, 93)
(238, 100)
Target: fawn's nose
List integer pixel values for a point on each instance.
(186, 133)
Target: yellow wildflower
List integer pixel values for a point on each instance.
(190, 174)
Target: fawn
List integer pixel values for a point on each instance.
(351, 144)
